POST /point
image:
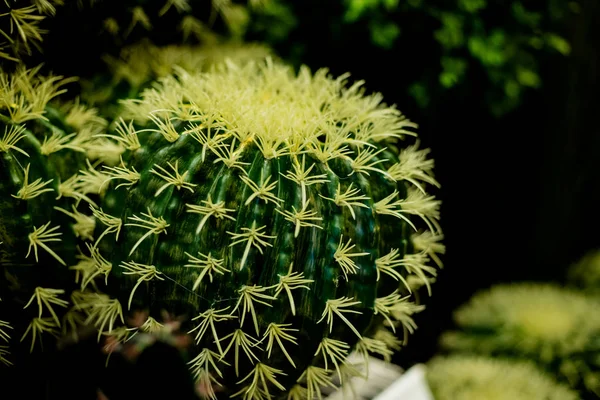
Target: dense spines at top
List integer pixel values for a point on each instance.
(275, 211)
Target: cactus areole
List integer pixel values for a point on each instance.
(285, 215)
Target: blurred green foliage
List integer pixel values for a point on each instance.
(72, 37)
(503, 40)
(468, 377)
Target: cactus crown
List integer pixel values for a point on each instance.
(282, 113)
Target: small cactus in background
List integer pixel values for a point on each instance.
(145, 62)
(585, 273)
(278, 212)
(558, 328)
(139, 65)
(43, 146)
(461, 377)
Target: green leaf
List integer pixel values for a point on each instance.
(384, 35)
(357, 8)
(558, 43)
(536, 42)
(528, 18)
(390, 4)
(491, 50)
(528, 77)
(512, 89)
(453, 71)
(420, 93)
(450, 35)
(472, 6)
(448, 79)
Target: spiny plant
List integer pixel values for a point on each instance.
(20, 26)
(139, 65)
(558, 328)
(145, 62)
(35, 32)
(284, 214)
(43, 146)
(461, 377)
(23, 26)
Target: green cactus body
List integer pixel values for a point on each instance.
(275, 213)
(40, 220)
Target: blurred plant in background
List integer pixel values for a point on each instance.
(462, 377)
(556, 327)
(502, 41)
(36, 31)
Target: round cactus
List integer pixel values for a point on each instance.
(462, 377)
(277, 212)
(43, 146)
(559, 328)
